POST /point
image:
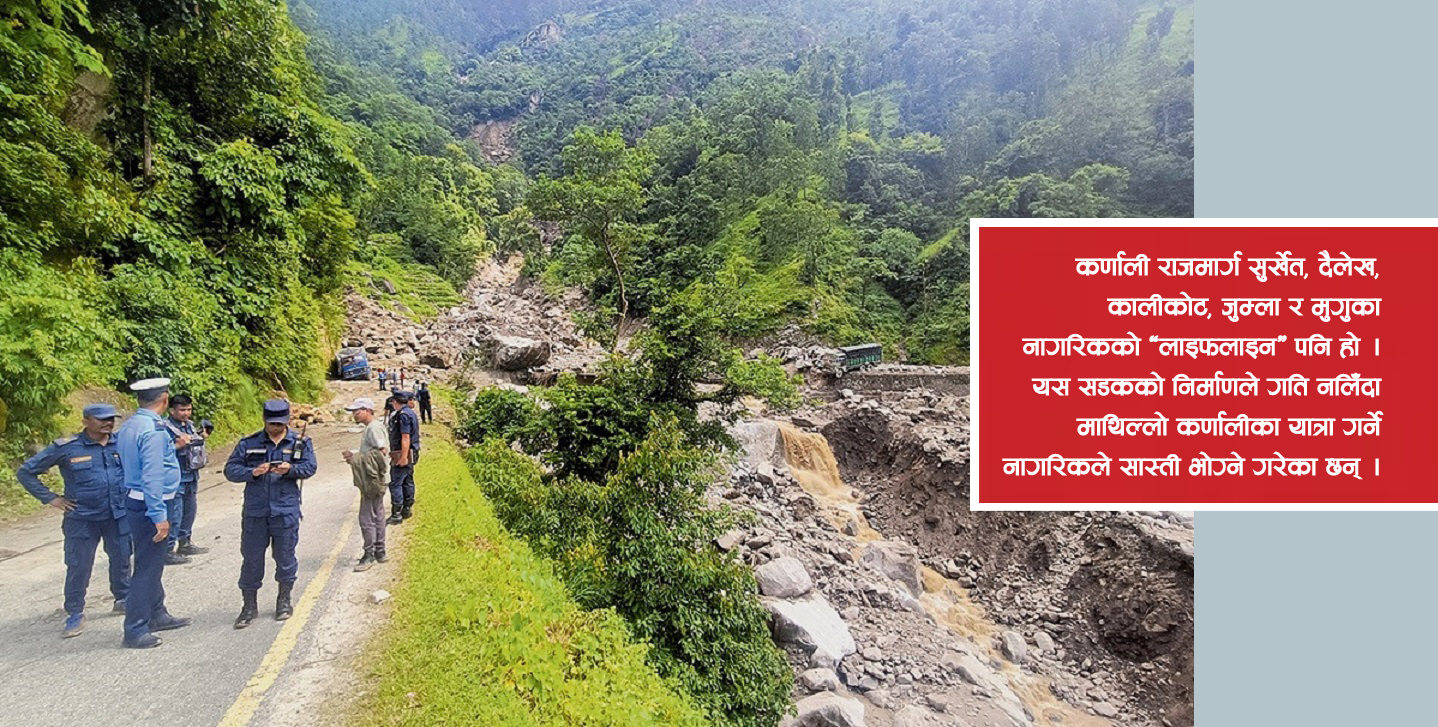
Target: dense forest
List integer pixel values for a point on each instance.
(816, 162)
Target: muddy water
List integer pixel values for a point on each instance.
(811, 461)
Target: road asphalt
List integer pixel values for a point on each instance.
(207, 673)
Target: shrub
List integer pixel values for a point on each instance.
(639, 542)
(498, 413)
(485, 633)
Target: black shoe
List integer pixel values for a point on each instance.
(168, 624)
(283, 609)
(146, 641)
(119, 606)
(380, 556)
(394, 519)
(249, 611)
(366, 562)
(188, 548)
(173, 558)
(407, 512)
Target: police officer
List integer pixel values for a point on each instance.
(152, 479)
(271, 463)
(94, 507)
(426, 412)
(190, 448)
(404, 452)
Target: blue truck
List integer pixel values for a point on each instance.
(352, 364)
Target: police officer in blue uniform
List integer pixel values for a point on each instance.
(190, 449)
(271, 463)
(404, 454)
(94, 507)
(152, 479)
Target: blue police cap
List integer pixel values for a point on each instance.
(100, 410)
(401, 395)
(277, 411)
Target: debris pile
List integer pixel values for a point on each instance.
(505, 323)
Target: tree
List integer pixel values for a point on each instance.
(598, 201)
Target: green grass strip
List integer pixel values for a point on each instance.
(484, 633)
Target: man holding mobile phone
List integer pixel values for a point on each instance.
(271, 463)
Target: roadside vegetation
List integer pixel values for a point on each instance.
(608, 481)
(484, 632)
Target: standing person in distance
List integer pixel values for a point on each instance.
(426, 411)
(404, 453)
(190, 449)
(271, 463)
(94, 507)
(368, 465)
(383, 375)
(152, 478)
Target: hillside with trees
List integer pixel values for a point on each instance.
(817, 162)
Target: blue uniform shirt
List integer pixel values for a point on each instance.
(94, 480)
(272, 493)
(147, 453)
(402, 422)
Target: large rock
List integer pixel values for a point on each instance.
(813, 624)
(783, 578)
(760, 441)
(897, 560)
(975, 672)
(1014, 647)
(514, 353)
(820, 680)
(438, 358)
(828, 709)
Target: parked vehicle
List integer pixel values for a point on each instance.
(853, 357)
(351, 364)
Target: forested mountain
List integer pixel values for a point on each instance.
(812, 161)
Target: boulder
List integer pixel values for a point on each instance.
(760, 442)
(730, 540)
(828, 709)
(897, 560)
(515, 353)
(812, 624)
(783, 578)
(973, 671)
(1013, 646)
(438, 359)
(1044, 642)
(820, 680)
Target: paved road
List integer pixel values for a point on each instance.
(207, 673)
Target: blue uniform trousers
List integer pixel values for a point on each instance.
(190, 492)
(281, 535)
(401, 483)
(146, 601)
(182, 511)
(81, 539)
